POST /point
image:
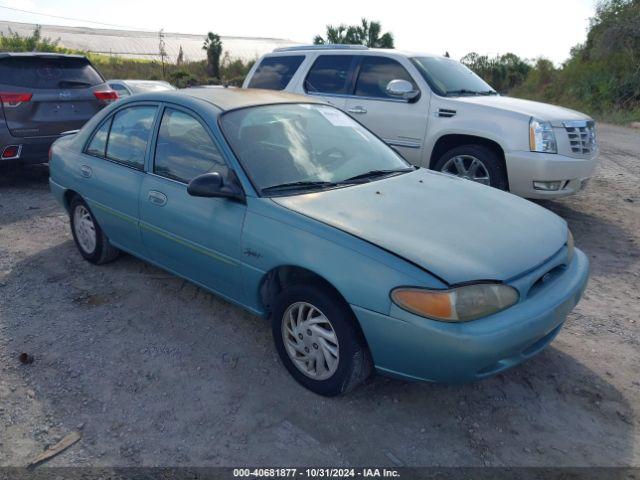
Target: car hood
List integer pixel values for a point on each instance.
(456, 229)
(541, 111)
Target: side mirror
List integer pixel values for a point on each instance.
(402, 89)
(214, 185)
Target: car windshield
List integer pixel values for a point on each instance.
(293, 148)
(448, 77)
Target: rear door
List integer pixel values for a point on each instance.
(400, 123)
(331, 78)
(47, 95)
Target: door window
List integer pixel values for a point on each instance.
(184, 149)
(376, 73)
(98, 145)
(275, 73)
(129, 135)
(330, 74)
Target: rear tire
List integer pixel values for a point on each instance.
(485, 159)
(336, 359)
(89, 238)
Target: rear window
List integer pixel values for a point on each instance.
(275, 73)
(48, 73)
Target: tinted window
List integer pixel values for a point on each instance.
(275, 73)
(184, 149)
(98, 144)
(130, 131)
(43, 72)
(376, 73)
(330, 74)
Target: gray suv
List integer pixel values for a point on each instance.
(43, 95)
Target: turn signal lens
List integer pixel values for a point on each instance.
(460, 304)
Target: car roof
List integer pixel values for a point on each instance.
(233, 98)
(137, 80)
(39, 54)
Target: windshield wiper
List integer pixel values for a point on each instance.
(298, 186)
(470, 92)
(375, 173)
(488, 92)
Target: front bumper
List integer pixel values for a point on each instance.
(415, 348)
(523, 168)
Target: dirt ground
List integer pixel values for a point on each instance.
(154, 371)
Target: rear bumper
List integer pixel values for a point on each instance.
(33, 149)
(524, 168)
(415, 348)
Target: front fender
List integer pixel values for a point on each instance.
(363, 273)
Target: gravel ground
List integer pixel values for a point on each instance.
(154, 371)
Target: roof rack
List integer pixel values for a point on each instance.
(329, 46)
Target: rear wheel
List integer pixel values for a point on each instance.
(318, 340)
(89, 238)
(476, 163)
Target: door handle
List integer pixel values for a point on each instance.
(357, 109)
(157, 198)
(86, 171)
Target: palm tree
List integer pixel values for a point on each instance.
(213, 46)
(367, 33)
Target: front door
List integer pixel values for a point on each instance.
(400, 123)
(196, 237)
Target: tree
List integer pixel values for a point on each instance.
(213, 47)
(161, 49)
(180, 57)
(367, 33)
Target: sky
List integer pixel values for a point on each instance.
(546, 28)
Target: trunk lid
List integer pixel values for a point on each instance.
(48, 95)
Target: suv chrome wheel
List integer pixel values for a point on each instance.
(467, 167)
(310, 341)
(85, 230)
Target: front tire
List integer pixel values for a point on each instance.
(89, 238)
(319, 341)
(476, 163)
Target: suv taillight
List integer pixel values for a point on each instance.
(12, 100)
(107, 96)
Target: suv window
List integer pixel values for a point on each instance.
(330, 74)
(129, 135)
(48, 72)
(275, 73)
(184, 149)
(376, 73)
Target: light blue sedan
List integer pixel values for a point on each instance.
(294, 211)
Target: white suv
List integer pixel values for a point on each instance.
(438, 114)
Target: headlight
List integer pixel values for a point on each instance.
(570, 246)
(541, 137)
(458, 304)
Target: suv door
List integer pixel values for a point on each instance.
(400, 123)
(54, 94)
(196, 237)
(111, 170)
(331, 78)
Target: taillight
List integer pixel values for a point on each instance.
(11, 152)
(12, 100)
(106, 96)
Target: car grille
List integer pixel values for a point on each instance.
(582, 136)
